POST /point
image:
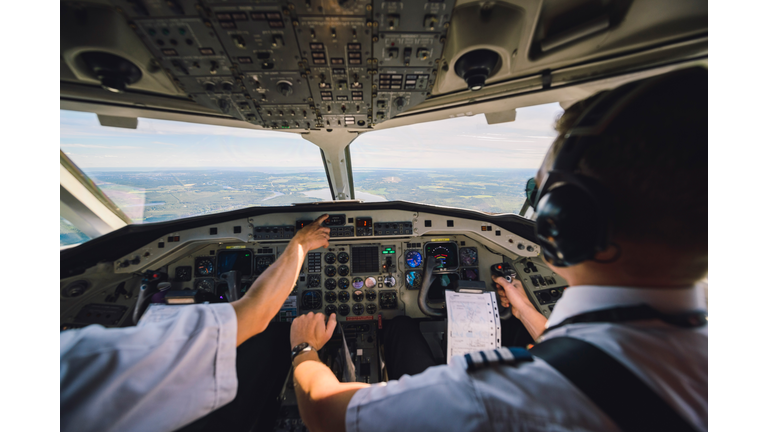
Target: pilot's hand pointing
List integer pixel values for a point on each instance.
(314, 235)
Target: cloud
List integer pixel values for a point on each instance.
(111, 147)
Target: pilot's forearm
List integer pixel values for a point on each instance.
(533, 320)
(322, 399)
(268, 293)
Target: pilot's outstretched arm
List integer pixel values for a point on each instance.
(322, 398)
(160, 376)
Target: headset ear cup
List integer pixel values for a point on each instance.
(570, 225)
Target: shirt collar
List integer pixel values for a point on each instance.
(587, 298)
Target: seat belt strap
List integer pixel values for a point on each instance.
(618, 392)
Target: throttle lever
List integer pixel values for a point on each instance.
(504, 270)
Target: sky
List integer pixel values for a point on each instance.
(465, 142)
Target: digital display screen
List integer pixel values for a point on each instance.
(240, 260)
(365, 259)
(364, 222)
(446, 255)
(335, 220)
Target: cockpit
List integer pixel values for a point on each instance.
(197, 138)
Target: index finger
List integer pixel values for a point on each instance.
(321, 219)
(331, 326)
(499, 280)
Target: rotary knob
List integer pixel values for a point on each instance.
(227, 87)
(399, 103)
(209, 86)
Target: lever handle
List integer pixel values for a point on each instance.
(233, 284)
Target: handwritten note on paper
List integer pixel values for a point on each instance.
(473, 322)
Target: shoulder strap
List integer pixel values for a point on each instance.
(619, 393)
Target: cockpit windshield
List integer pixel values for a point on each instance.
(166, 170)
(460, 162)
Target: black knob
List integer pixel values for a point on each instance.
(135, 260)
(223, 105)
(399, 103)
(475, 67)
(227, 87)
(285, 88)
(210, 87)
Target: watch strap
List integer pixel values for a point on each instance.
(300, 348)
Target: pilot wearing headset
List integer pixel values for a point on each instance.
(621, 215)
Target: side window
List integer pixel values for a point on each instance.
(70, 235)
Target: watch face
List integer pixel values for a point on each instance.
(298, 349)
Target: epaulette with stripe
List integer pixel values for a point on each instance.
(501, 356)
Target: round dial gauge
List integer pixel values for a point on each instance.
(358, 309)
(343, 270)
(330, 258)
(370, 308)
(413, 279)
(343, 283)
(204, 267)
(313, 281)
(413, 258)
(330, 297)
(330, 284)
(343, 296)
(343, 310)
(330, 309)
(204, 284)
(358, 296)
(343, 257)
(468, 256)
(183, 273)
(370, 282)
(330, 271)
(311, 300)
(370, 295)
(357, 283)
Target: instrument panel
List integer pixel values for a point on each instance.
(373, 268)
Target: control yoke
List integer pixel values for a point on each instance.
(426, 282)
(233, 284)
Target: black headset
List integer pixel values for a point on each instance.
(574, 213)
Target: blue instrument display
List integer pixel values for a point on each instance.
(413, 280)
(413, 258)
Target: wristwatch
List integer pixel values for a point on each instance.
(300, 348)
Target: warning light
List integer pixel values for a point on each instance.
(154, 275)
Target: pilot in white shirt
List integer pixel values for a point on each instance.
(649, 156)
(163, 375)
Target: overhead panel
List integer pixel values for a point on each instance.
(407, 48)
(309, 64)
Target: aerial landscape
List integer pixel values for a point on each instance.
(154, 196)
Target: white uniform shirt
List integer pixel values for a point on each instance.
(158, 376)
(532, 396)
